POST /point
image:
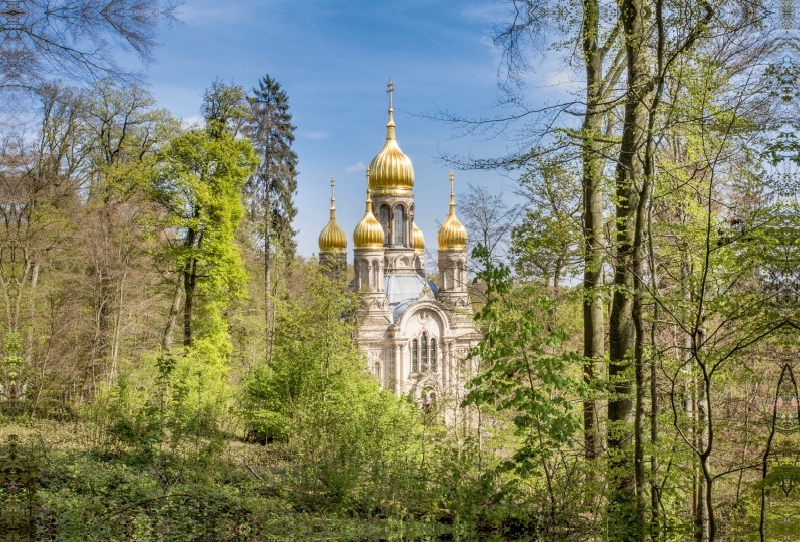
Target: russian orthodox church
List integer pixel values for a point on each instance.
(415, 334)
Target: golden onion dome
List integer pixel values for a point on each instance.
(368, 234)
(418, 239)
(452, 234)
(392, 172)
(332, 238)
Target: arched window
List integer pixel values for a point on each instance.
(399, 226)
(414, 356)
(433, 356)
(460, 279)
(385, 224)
(424, 348)
(377, 370)
(375, 276)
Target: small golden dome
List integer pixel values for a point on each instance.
(452, 234)
(392, 172)
(418, 239)
(332, 238)
(368, 234)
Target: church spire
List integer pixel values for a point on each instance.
(452, 234)
(390, 125)
(332, 238)
(452, 193)
(333, 199)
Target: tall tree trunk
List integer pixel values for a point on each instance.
(655, 498)
(622, 332)
(593, 161)
(640, 388)
(267, 277)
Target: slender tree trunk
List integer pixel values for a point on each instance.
(641, 388)
(174, 309)
(189, 283)
(267, 277)
(655, 497)
(705, 518)
(593, 161)
(622, 331)
(115, 339)
(638, 318)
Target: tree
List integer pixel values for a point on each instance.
(650, 42)
(123, 132)
(272, 188)
(224, 109)
(544, 244)
(73, 39)
(589, 37)
(198, 183)
(488, 219)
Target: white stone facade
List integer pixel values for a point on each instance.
(416, 335)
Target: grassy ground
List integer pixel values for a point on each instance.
(56, 485)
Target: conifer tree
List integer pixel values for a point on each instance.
(273, 186)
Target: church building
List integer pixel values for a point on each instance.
(415, 334)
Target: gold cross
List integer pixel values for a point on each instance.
(389, 90)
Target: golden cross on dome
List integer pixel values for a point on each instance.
(389, 90)
(452, 193)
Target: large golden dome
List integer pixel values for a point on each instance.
(391, 172)
(368, 234)
(452, 234)
(332, 238)
(418, 239)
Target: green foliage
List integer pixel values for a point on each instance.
(524, 372)
(546, 244)
(153, 416)
(352, 440)
(198, 184)
(224, 109)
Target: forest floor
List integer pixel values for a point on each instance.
(56, 483)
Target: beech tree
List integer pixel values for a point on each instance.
(198, 183)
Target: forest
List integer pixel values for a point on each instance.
(174, 369)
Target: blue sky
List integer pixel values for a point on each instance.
(334, 58)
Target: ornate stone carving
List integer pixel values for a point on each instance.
(426, 294)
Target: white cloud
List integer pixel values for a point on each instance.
(358, 167)
(318, 135)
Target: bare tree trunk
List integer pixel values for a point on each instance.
(174, 309)
(117, 329)
(189, 275)
(705, 518)
(267, 277)
(655, 497)
(593, 161)
(622, 332)
(189, 283)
